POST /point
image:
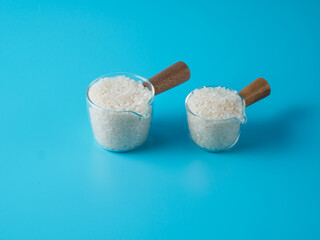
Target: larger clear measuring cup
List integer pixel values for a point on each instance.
(120, 130)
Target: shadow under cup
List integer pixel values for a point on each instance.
(214, 135)
(120, 131)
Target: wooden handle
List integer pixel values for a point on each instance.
(170, 77)
(255, 91)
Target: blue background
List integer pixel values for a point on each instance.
(56, 183)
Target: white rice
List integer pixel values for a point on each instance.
(114, 130)
(212, 106)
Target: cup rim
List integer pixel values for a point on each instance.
(127, 74)
(244, 117)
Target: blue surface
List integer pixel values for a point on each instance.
(55, 183)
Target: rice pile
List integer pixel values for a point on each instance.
(114, 130)
(216, 103)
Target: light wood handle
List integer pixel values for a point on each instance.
(255, 91)
(170, 77)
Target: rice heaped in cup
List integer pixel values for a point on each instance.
(214, 117)
(120, 111)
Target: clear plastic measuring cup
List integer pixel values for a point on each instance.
(214, 135)
(219, 135)
(120, 130)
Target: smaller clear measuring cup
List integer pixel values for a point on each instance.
(220, 135)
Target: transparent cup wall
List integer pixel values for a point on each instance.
(214, 135)
(120, 130)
